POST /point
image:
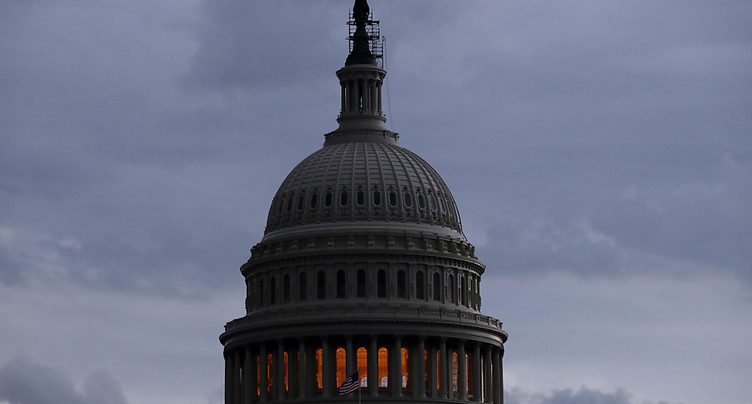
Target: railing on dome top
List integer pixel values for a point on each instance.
(375, 40)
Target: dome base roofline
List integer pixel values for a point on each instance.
(361, 135)
(360, 227)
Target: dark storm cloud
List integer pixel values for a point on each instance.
(24, 381)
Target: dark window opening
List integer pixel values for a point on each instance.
(376, 198)
(261, 293)
(432, 202)
(463, 291)
(408, 200)
(341, 286)
(421, 201)
(381, 284)
(343, 198)
(300, 202)
(419, 286)
(314, 201)
(321, 285)
(328, 199)
(289, 203)
(392, 198)
(361, 197)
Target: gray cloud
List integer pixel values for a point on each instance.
(24, 381)
(583, 395)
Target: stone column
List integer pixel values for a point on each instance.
(395, 368)
(326, 367)
(462, 371)
(443, 369)
(249, 376)
(229, 372)
(498, 391)
(292, 371)
(475, 372)
(373, 367)
(432, 371)
(419, 360)
(302, 369)
(488, 394)
(349, 356)
(279, 371)
(262, 373)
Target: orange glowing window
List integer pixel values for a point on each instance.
(404, 360)
(287, 368)
(362, 359)
(341, 365)
(269, 372)
(383, 367)
(467, 371)
(455, 371)
(258, 374)
(438, 366)
(319, 371)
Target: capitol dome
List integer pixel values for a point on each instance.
(367, 180)
(363, 287)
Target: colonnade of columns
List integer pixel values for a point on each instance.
(361, 95)
(410, 367)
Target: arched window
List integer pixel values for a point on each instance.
(341, 372)
(314, 201)
(343, 198)
(361, 283)
(360, 197)
(408, 199)
(381, 283)
(286, 289)
(302, 287)
(362, 364)
(328, 199)
(432, 202)
(419, 285)
(321, 285)
(392, 198)
(301, 199)
(421, 201)
(401, 285)
(383, 367)
(273, 290)
(341, 286)
(436, 286)
(286, 370)
(376, 198)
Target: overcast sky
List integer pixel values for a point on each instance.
(600, 153)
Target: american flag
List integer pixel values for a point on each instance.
(350, 384)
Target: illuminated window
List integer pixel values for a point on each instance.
(426, 364)
(438, 366)
(318, 368)
(287, 372)
(257, 361)
(383, 367)
(467, 372)
(455, 371)
(269, 373)
(341, 365)
(362, 364)
(419, 286)
(404, 360)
